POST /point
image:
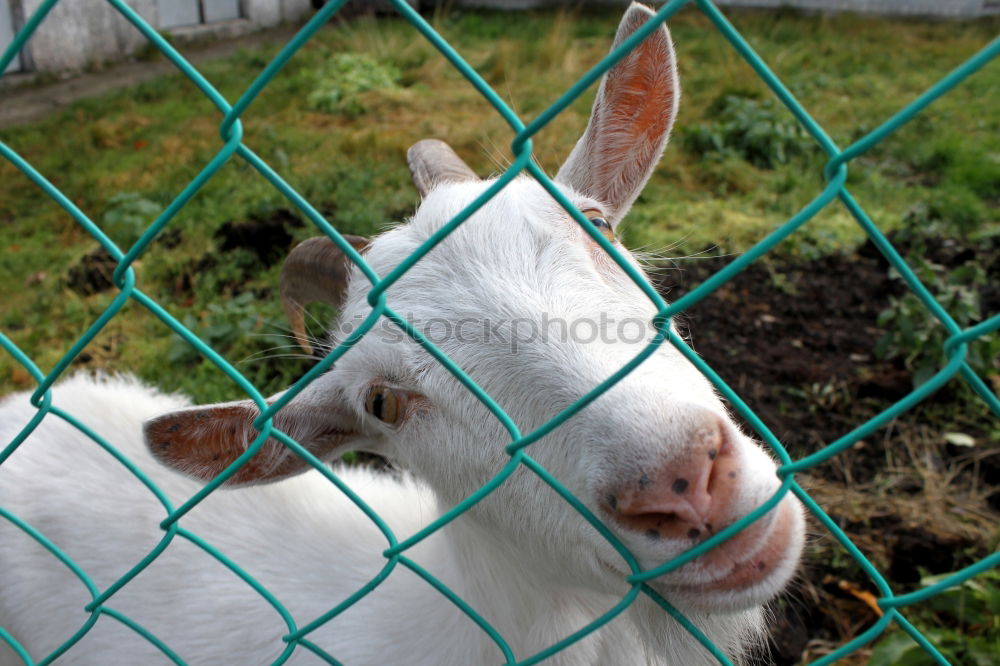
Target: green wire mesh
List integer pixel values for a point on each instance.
(230, 130)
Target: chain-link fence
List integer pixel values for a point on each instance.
(297, 638)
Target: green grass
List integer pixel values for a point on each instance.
(122, 157)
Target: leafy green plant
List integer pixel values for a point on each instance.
(338, 85)
(220, 325)
(127, 216)
(916, 336)
(912, 333)
(249, 331)
(750, 129)
(962, 622)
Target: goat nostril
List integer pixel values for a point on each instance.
(680, 495)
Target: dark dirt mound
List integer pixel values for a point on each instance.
(266, 236)
(265, 239)
(796, 341)
(92, 273)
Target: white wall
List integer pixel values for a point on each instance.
(78, 33)
(950, 8)
(953, 8)
(7, 34)
(268, 13)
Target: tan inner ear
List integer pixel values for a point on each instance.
(205, 441)
(637, 97)
(630, 122)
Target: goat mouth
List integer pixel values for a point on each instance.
(765, 553)
(748, 569)
(751, 566)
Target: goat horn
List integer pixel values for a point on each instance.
(316, 271)
(433, 162)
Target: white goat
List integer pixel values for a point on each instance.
(656, 457)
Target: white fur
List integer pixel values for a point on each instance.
(523, 558)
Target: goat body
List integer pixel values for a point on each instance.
(301, 538)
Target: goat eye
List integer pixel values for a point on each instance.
(384, 404)
(597, 218)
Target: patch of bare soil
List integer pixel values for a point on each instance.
(796, 342)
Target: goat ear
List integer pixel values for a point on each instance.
(630, 123)
(433, 162)
(202, 441)
(316, 271)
